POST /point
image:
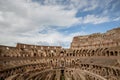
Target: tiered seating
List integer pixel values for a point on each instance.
(31, 62)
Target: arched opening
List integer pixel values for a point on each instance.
(92, 54)
(73, 54)
(67, 55)
(111, 53)
(107, 53)
(70, 54)
(35, 54)
(116, 53)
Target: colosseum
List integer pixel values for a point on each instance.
(90, 57)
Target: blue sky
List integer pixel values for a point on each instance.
(55, 22)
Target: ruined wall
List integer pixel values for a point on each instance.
(92, 60)
(109, 39)
(28, 46)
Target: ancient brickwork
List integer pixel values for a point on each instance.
(28, 46)
(109, 39)
(91, 57)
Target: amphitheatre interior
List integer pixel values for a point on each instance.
(90, 57)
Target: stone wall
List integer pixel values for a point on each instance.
(33, 62)
(109, 39)
(28, 46)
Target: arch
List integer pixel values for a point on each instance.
(73, 54)
(111, 53)
(116, 53)
(107, 53)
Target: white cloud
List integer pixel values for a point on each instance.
(116, 19)
(28, 15)
(95, 19)
(22, 20)
(50, 38)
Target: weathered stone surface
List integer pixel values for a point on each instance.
(109, 39)
(90, 57)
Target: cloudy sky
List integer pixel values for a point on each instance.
(55, 22)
